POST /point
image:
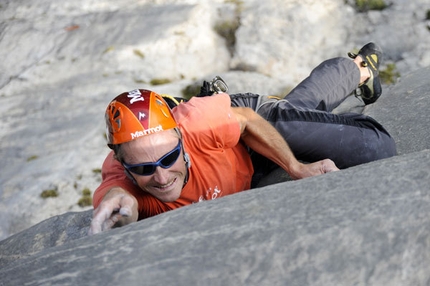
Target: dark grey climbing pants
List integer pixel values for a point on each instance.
(313, 133)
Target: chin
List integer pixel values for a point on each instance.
(169, 197)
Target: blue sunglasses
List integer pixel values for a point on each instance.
(146, 169)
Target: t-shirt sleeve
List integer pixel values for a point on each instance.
(113, 175)
(214, 125)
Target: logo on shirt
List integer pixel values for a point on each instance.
(211, 194)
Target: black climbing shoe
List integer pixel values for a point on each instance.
(371, 89)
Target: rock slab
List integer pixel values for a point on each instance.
(366, 225)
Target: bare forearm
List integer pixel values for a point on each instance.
(264, 139)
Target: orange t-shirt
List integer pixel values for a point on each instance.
(220, 164)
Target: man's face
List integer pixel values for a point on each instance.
(164, 184)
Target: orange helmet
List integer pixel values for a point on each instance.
(137, 113)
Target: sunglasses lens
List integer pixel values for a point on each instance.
(146, 169)
(143, 169)
(170, 159)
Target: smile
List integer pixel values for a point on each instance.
(166, 186)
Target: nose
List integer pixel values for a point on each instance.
(161, 175)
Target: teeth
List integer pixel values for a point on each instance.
(166, 185)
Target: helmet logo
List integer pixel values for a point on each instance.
(140, 133)
(135, 95)
(141, 115)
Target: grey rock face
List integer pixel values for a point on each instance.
(49, 233)
(404, 111)
(362, 226)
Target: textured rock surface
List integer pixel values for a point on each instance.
(403, 110)
(52, 232)
(367, 225)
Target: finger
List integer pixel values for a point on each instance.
(96, 223)
(111, 221)
(125, 211)
(101, 214)
(331, 169)
(126, 206)
(330, 166)
(95, 227)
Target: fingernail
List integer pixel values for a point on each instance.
(124, 212)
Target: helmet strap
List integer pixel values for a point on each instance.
(186, 157)
(187, 165)
(130, 176)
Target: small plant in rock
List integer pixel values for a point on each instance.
(227, 29)
(86, 200)
(97, 172)
(31, 158)
(366, 5)
(139, 53)
(390, 74)
(108, 49)
(190, 91)
(159, 81)
(428, 19)
(139, 81)
(50, 193)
